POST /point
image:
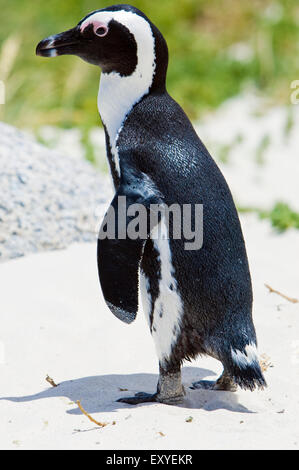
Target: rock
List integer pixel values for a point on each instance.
(47, 200)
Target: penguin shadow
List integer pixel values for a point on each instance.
(99, 393)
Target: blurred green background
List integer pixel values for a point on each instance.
(217, 48)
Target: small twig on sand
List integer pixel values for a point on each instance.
(294, 301)
(51, 381)
(102, 425)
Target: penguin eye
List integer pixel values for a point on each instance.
(101, 31)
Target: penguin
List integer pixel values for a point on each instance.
(199, 301)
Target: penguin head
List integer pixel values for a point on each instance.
(118, 39)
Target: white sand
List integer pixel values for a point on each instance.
(54, 321)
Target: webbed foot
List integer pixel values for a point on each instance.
(224, 383)
(169, 391)
(142, 397)
(139, 397)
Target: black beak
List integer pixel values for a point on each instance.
(64, 43)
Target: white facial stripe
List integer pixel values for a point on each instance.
(118, 95)
(243, 359)
(168, 307)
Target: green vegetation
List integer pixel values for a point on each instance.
(282, 217)
(217, 47)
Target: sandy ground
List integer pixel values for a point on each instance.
(54, 321)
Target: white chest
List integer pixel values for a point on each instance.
(118, 94)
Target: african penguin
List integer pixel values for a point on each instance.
(196, 301)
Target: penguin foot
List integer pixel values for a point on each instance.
(171, 400)
(169, 391)
(142, 397)
(224, 383)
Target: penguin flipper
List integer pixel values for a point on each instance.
(119, 256)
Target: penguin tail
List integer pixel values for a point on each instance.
(244, 367)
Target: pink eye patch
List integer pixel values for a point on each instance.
(99, 28)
